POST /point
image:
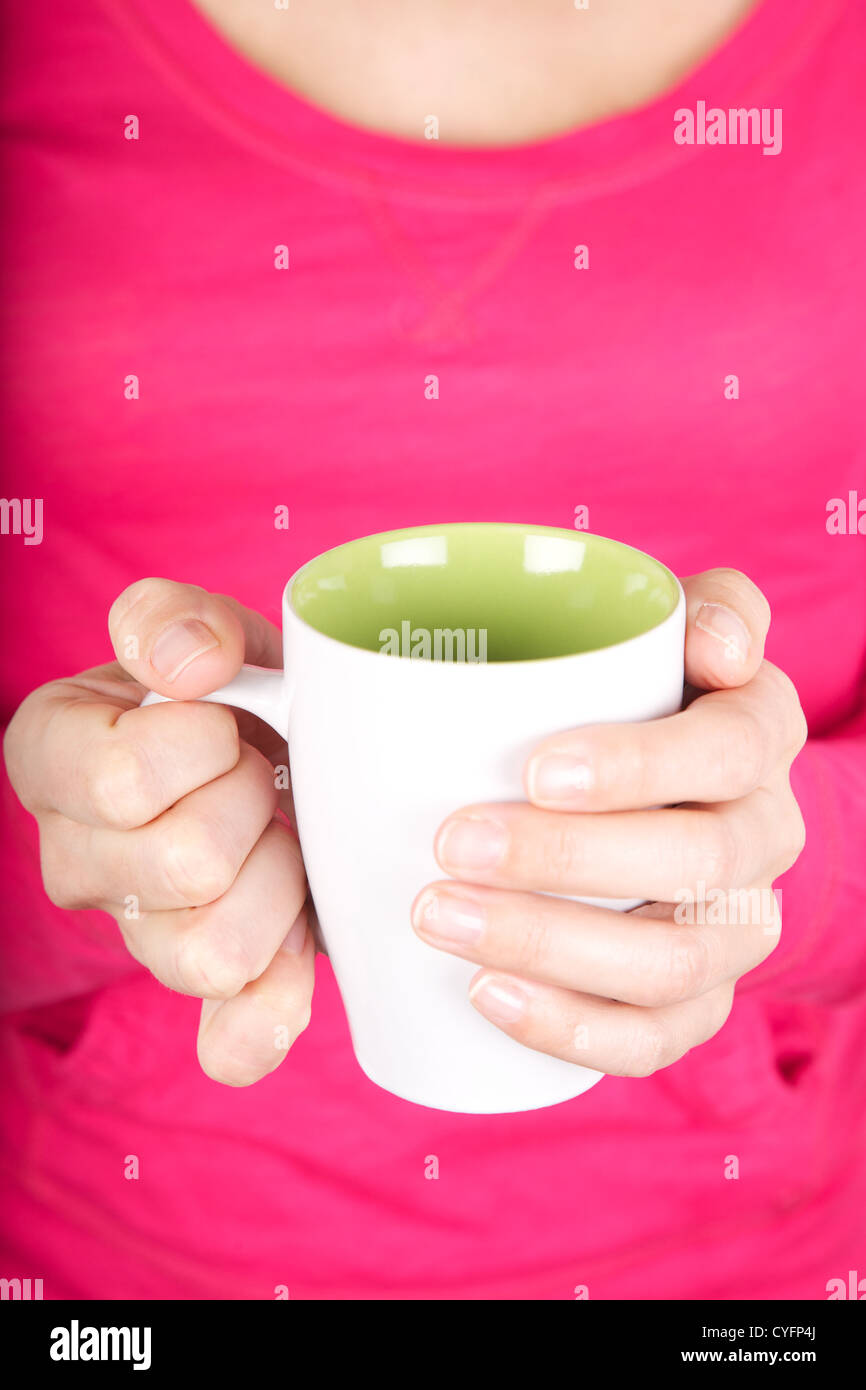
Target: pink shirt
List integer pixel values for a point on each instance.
(559, 387)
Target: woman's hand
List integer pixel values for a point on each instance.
(168, 819)
(630, 993)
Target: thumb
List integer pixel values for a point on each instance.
(727, 618)
(181, 641)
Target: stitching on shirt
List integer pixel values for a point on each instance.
(643, 166)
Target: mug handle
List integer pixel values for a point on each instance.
(257, 689)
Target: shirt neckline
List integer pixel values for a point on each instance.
(280, 126)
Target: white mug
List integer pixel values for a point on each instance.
(556, 629)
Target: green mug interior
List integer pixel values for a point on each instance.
(514, 592)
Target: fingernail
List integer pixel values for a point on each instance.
(498, 1001)
(448, 918)
(293, 945)
(559, 777)
(472, 843)
(724, 624)
(179, 646)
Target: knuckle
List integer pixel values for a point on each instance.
(258, 773)
(800, 734)
(558, 851)
(18, 749)
(208, 971)
(13, 745)
(534, 947)
(197, 864)
(57, 895)
(794, 837)
(120, 786)
(691, 965)
(58, 888)
(57, 868)
(133, 940)
(57, 891)
(720, 857)
(721, 1011)
(787, 834)
(771, 935)
(749, 761)
(645, 1049)
(713, 1018)
(290, 846)
(796, 728)
(213, 727)
(680, 971)
(799, 727)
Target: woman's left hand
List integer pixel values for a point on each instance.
(692, 808)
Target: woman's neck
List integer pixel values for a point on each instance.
(492, 72)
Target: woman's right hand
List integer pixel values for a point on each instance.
(168, 819)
